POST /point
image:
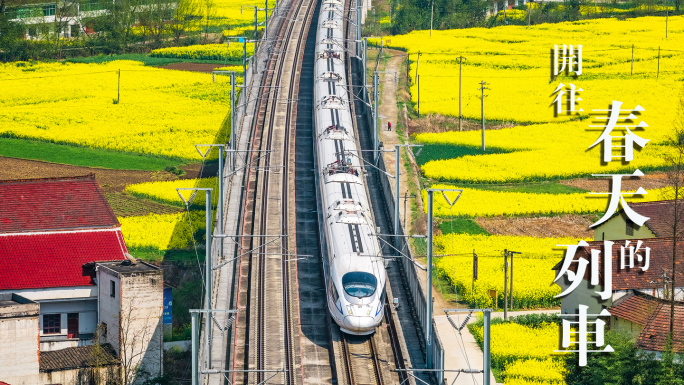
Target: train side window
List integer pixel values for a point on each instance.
(333, 291)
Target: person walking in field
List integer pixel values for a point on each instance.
(389, 126)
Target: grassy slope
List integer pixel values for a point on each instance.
(81, 156)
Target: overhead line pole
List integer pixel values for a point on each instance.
(375, 116)
(482, 88)
(207, 263)
(428, 320)
(505, 284)
(460, 114)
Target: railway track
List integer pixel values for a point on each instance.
(265, 276)
(360, 358)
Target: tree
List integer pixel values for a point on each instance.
(674, 191)
(209, 13)
(669, 370)
(10, 33)
(627, 365)
(184, 18)
(66, 12)
(140, 338)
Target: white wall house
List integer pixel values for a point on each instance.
(57, 234)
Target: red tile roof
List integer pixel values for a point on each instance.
(661, 258)
(54, 204)
(634, 307)
(56, 259)
(654, 314)
(655, 333)
(661, 214)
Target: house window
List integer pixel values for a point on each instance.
(630, 228)
(52, 323)
(72, 325)
(112, 289)
(49, 10)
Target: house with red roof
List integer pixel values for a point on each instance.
(659, 224)
(647, 320)
(653, 281)
(61, 247)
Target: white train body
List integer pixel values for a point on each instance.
(356, 283)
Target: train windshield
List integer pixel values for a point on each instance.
(359, 284)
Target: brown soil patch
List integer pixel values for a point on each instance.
(194, 67)
(560, 226)
(441, 123)
(109, 180)
(125, 205)
(653, 180)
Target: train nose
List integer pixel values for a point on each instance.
(359, 325)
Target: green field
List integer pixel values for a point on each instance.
(82, 156)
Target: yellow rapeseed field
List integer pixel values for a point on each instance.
(161, 232)
(516, 62)
(161, 112)
(228, 11)
(511, 343)
(165, 191)
(535, 371)
(205, 52)
(533, 278)
(485, 203)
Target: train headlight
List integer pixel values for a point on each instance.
(349, 310)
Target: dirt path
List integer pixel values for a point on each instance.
(195, 67)
(389, 112)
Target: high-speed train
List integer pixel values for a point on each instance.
(356, 276)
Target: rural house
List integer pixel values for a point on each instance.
(652, 281)
(659, 224)
(647, 320)
(67, 279)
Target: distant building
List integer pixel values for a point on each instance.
(650, 282)
(647, 320)
(63, 252)
(71, 18)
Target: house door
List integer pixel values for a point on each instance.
(72, 325)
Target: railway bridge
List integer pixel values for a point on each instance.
(269, 264)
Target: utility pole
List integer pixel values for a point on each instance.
(365, 68)
(265, 21)
(255, 30)
(417, 64)
(474, 269)
(233, 128)
(529, 15)
(406, 197)
(667, 16)
(632, 71)
(375, 116)
(511, 288)
(358, 31)
(118, 94)
(460, 114)
(418, 83)
(505, 284)
(482, 88)
(658, 73)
